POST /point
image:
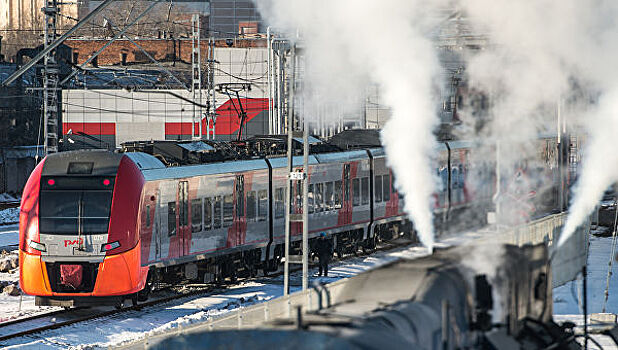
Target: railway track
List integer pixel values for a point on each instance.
(62, 318)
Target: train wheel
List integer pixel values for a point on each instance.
(143, 294)
(134, 299)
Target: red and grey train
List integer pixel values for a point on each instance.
(100, 227)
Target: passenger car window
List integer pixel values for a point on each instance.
(279, 203)
(338, 193)
(262, 205)
(228, 210)
(386, 187)
(207, 213)
(319, 197)
(217, 212)
(310, 198)
(356, 195)
(329, 196)
(251, 206)
(196, 215)
(378, 188)
(365, 190)
(171, 218)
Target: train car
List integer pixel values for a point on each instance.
(98, 227)
(79, 225)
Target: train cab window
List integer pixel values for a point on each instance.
(147, 216)
(262, 205)
(386, 188)
(338, 193)
(279, 203)
(207, 213)
(69, 211)
(310, 202)
(378, 188)
(356, 195)
(171, 218)
(228, 210)
(329, 196)
(365, 191)
(319, 198)
(217, 212)
(196, 215)
(251, 206)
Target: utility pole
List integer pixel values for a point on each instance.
(50, 80)
(294, 178)
(196, 77)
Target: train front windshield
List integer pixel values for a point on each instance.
(75, 207)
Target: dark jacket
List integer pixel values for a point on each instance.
(324, 248)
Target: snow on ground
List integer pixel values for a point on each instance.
(5, 197)
(9, 237)
(135, 325)
(567, 298)
(9, 215)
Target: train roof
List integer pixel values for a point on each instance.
(204, 169)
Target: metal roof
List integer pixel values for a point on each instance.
(196, 146)
(205, 169)
(145, 161)
(114, 78)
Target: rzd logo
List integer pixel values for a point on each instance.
(68, 242)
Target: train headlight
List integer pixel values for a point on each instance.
(37, 246)
(110, 246)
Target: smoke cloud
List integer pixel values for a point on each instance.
(349, 42)
(541, 56)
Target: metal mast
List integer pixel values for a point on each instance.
(50, 80)
(196, 77)
(211, 115)
(297, 190)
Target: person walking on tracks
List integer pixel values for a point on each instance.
(324, 250)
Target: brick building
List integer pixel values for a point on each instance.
(122, 51)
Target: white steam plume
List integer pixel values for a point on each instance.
(600, 163)
(348, 41)
(544, 50)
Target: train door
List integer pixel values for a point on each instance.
(346, 209)
(184, 227)
(157, 226)
(239, 203)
